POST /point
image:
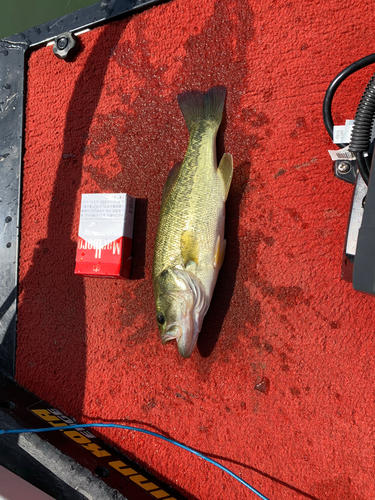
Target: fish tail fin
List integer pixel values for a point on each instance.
(197, 106)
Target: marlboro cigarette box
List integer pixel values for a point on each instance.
(105, 235)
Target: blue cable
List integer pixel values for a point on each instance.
(144, 431)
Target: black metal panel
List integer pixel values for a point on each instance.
(116, 470)
(19, 461)
(88, 17)
(12, 60)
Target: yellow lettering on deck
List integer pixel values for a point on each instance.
(74, 435)
(96, 450)
(123, 468)
(140, 480)
(49, 417)
(77, 437)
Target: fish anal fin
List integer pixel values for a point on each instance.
(219, 253)
(189, 247)
(172, 176)
(225, 169)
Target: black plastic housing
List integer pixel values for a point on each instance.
(364, 262)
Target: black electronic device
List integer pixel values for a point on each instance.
(354, 165)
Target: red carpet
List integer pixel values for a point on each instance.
(280, 388)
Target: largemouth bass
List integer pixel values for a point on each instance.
(190, 245)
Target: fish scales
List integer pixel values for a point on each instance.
(190, 245)
(188, 204)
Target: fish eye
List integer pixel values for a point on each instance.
(160, 319)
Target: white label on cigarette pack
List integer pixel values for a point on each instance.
(106, 217)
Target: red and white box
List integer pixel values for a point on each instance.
(105, 235)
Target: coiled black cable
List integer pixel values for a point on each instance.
(361, 132)
(365, 112)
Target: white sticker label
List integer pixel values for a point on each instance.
(342, 133)
(341, 154)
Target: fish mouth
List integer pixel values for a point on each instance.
(173, 333)
(185, 352)
(167, 338)
(186, 346)
(185, 343)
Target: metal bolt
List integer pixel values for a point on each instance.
(62, 43)
(8, 245)
(66, 46)
(343, 167)
(8, 219)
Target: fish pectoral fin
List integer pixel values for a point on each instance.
(225, 169)
(172, 176)
(191, 266)
(189, 247)
(219, 253)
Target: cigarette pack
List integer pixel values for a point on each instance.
(105, 235)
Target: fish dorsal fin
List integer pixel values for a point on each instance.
(225, 169)
(219, 253)
(189, 247)
(172, 176)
